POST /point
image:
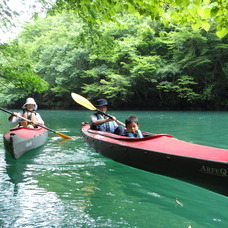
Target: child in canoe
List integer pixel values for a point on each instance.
(29, 113)
(132, 127)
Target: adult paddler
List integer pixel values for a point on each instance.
(101, 122)
(28, 112)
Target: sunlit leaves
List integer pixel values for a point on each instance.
(222, 31)
(197, 13)
(205, 25)
(204, 13)
(115, 87)
(144, 67)
(183, 87)
(141, 60)
(16, 68)
(196, 26)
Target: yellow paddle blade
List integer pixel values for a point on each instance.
(63, 136)
(83, 101)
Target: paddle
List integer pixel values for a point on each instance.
(58, 133)
(87, 104)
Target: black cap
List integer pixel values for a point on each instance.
(101, 102)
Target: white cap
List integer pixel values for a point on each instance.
(30, 101)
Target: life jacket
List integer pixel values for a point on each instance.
(107, 127)
(29, 114)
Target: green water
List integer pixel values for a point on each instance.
(67, 184)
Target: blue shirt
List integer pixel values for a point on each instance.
(133, 135)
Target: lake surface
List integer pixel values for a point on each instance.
(67, 184)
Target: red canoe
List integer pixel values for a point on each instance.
(202, 165)
(20, 140)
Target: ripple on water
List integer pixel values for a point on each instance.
(67, 184)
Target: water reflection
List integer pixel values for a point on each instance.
(67, 184)
(28, 202)
(71, 176)
(124, 193)
(16, 168)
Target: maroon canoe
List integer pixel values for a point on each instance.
(163, 154)
(20, 140)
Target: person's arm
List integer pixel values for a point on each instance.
(139, 134)
(14, 117)
(96, 121)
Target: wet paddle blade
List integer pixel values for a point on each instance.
(83, 101)
(63, 136)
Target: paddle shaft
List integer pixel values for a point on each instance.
(4, 110)
(103, 113)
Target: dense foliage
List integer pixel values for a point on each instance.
(195, 13)
(143, 63)
(17, 74)
(133, 60)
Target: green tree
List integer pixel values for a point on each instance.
(203, 56)
(58, 53)
(197, 13)
(17, 74)
(145, 62)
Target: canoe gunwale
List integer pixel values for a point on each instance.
(148, 136)
(27, 128)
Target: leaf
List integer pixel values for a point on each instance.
(204, 13)
(175, 17)
(222, 32)
(165, 22)
(214, 11)
(197, 2)
(196, 26)
(219, 19)
(183, 3)
(193, 11)
(206, 26)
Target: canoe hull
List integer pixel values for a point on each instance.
(21, 140)
(206, 173)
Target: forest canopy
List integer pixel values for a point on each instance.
(195, 13)
(122, 52)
